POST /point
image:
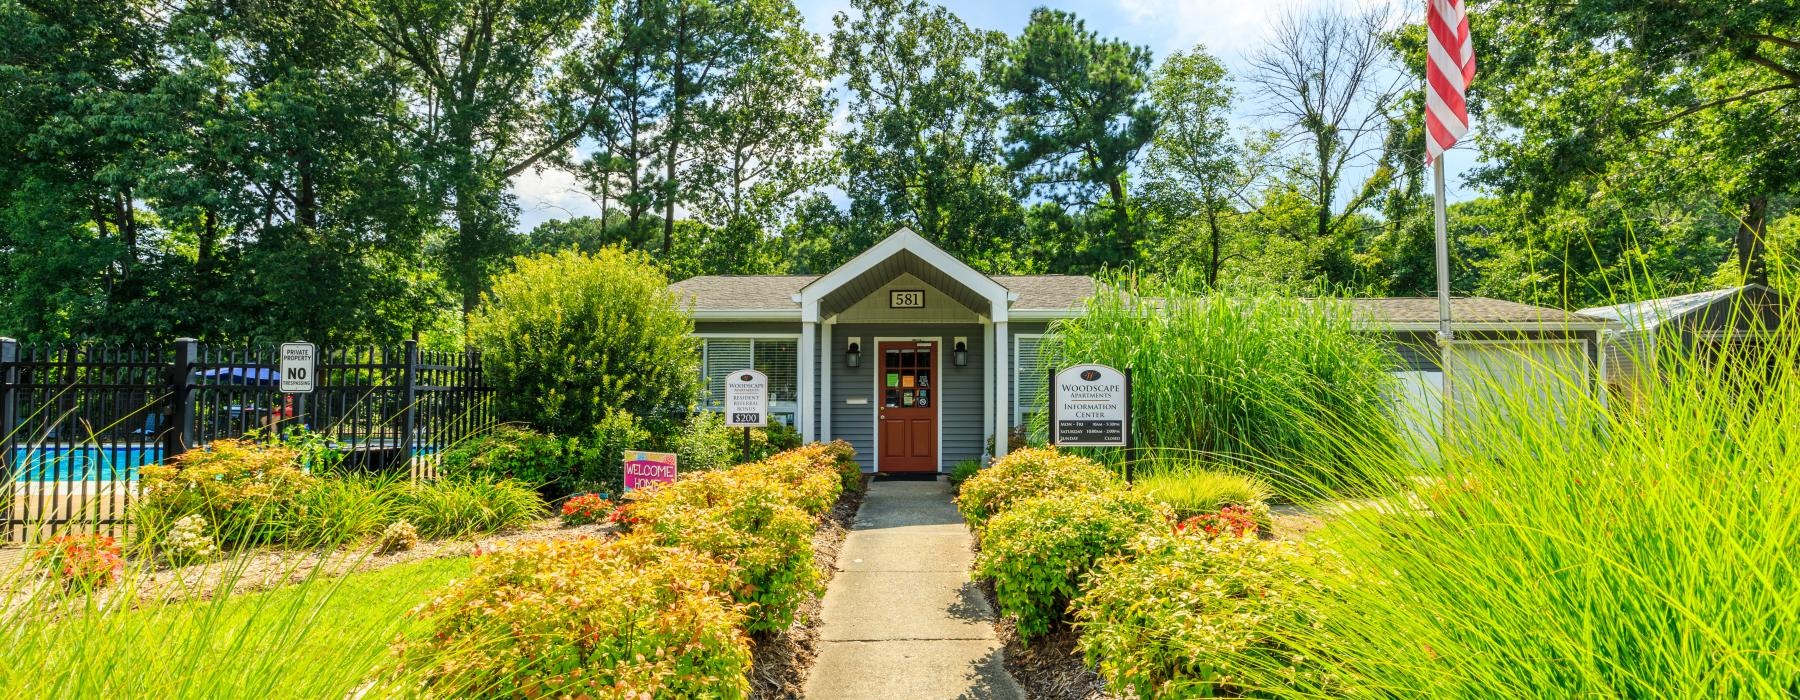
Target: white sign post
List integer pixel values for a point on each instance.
(298, 368)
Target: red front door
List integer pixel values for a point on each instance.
(907, 387)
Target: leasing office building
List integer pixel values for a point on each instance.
(909, 354)
(920, 361)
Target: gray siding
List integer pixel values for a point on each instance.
(959, 394)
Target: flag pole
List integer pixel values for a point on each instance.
(1444, 334)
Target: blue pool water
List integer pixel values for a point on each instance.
(84, 462)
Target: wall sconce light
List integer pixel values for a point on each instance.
(853, 354)
(960, 347)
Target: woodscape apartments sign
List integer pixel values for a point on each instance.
(1090, 406)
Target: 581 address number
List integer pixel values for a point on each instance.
(906, 299)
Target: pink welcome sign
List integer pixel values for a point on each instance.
(648, 469)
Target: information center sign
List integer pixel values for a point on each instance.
(1090, 407)
(746, 399)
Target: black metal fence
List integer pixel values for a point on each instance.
(77, 422)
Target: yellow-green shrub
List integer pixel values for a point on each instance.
(748, 520)
(621, 618)
(810, 474)
(244, 489)
(1029, 473)
(1181, 616)
(1038, 551)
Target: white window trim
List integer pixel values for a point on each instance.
(1018, 410)
(798, 404)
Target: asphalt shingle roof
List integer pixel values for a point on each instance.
(1462, 310)
(776, 292)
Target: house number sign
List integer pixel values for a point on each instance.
(906, 299)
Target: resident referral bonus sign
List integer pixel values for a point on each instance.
(1091, 407)
(746, 399)
(648, 469)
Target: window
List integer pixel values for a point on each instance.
(776, 357)
(1030, 396)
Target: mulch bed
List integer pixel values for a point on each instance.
(1050, 668)
(781, 660)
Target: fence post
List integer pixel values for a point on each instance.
(181, 398)
(9, 419)
(409, 415)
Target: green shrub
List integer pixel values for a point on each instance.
(510, 452)
(565, 337)
(1179, 616)
(962, 471)
(1264, 381)
(1038, 551)
(1194, 491)
(705, 444)
(1028, 473)
(337, 510)
(245, 490)
(621, 618)
(596, 460)
(458, 506)
(746, 519)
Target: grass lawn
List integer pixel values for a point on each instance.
(318, 639)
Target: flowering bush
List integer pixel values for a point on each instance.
(1038, 551)
(585, 509)
(1236, 521)
(397, 537)
(1029, 473)
(188, 542)
(1187, 616)
(85, 561)
(748, 520)
(245, 489)
(621, 618)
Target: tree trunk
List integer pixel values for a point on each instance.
(1122, 219)
(677, 122)
(1750, 239)
(307, 209)
(1212, 225)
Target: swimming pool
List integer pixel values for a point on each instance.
(84, 462)
(100, 462)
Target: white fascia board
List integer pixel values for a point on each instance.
(904, 240)
(746, 315)
(1045, 314)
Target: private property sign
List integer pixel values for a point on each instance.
(746, 399)
(1090, 407)
(298, 368)
(648, 469)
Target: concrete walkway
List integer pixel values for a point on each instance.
(901, 618)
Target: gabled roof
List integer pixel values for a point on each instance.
(718, 295)
(1650, 313)
(1421, 313)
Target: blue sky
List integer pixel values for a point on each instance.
(1230, 30)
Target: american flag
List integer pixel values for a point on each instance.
(1449, 65)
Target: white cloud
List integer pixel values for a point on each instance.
(550, 194)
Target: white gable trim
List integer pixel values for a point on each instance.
(999, 297)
